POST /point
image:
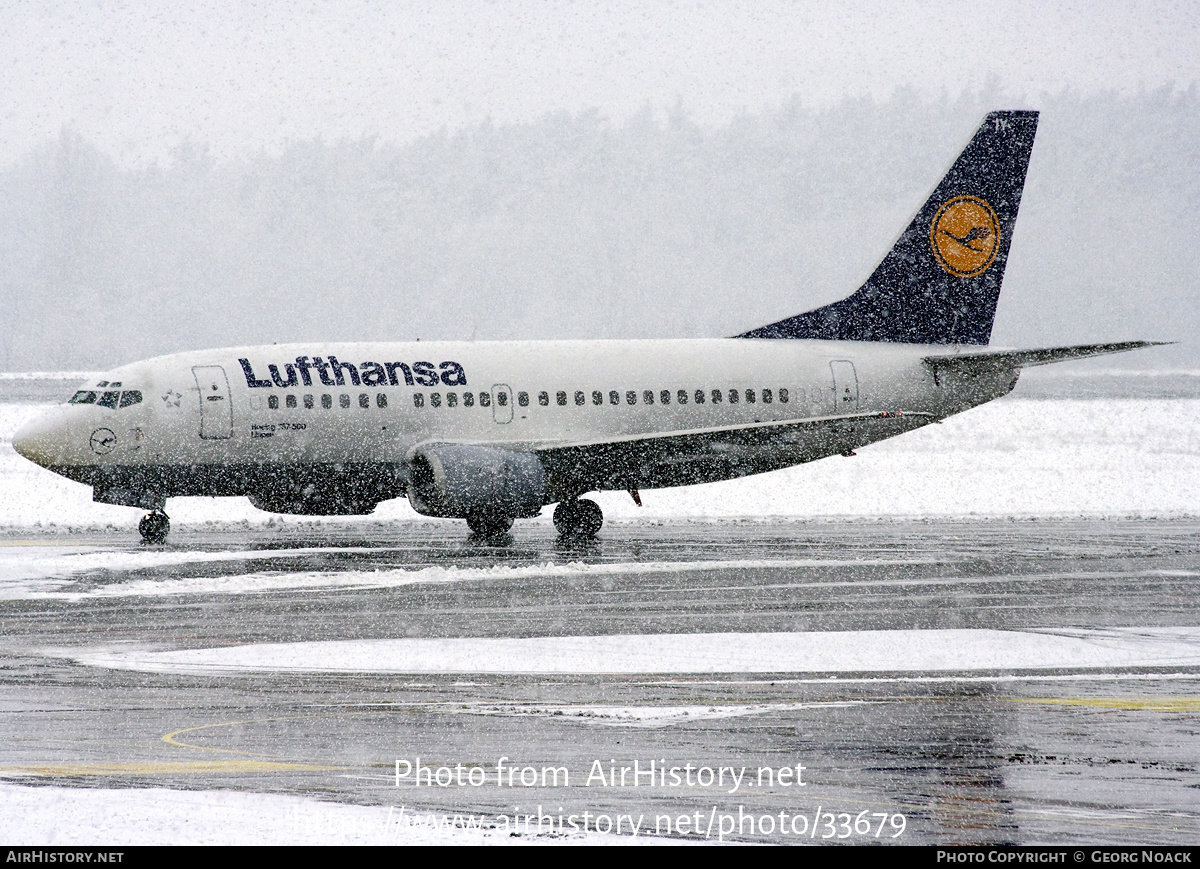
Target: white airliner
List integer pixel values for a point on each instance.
(489, 432)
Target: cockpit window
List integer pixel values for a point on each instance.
(107, 399)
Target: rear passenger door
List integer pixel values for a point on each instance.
(845, 386)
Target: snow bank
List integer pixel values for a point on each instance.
(53, 816)
(1116, 457)
(910, 651)
(41, 572)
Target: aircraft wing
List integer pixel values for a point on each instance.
(701, 455)
(1001, 360)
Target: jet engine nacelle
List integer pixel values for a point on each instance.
(458, 481)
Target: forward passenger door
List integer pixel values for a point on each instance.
(216, 409)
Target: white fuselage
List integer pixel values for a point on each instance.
(201, 412)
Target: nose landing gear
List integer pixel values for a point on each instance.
(578, 518)
(154, 527)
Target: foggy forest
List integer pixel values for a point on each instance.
(576, 226)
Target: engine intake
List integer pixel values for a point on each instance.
(460, 481)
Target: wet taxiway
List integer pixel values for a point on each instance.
(1101, 749)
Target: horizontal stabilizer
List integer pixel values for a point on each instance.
(1000, 360)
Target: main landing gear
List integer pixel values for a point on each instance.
(485, 525)
(581, 518)
(154, 527)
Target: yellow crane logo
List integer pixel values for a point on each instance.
(965, 235)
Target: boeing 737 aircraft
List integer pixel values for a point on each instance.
(489, 432)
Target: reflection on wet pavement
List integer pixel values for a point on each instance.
(974, 754)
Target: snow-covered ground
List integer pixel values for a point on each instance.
(909, 651)
(1102, 457)
(1013, 457)
(47, 817)
(43, 571)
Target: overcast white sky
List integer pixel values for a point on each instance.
(138, 77)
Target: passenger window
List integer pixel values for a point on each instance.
(290, 400)
(648, 396)
(614, 397)
(83, 397)
(327, 401)
(308, 402)
(108, 399)
(561, 398)
(664, 397)
(485, 399)
(597, 397)
(435, 399)
(733, 396)
(767, 397)
(468, 399)
(783, 396)
(273, 402)
(502, 399)
(344, 400)
(716, 396)
(451, 399)
(418, 399)
(115, 384)
(699, 396)
(364, 401)
(682, 396)
(579, 398)
(749, 396)
(523, 399)
(543, 398)
(381, 400)
(631, 397)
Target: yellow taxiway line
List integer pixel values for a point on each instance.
(1149, 704)
(159, 768)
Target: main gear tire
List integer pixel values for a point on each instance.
(487, 525)
(581, 518)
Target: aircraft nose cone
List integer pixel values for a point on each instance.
(40, 440)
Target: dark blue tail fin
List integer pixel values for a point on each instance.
(940, 283)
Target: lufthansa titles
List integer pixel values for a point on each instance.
(331, 371)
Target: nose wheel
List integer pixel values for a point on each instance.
(154, 527)
(578, 518)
